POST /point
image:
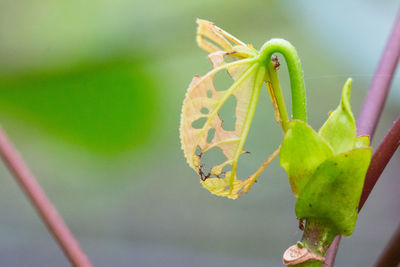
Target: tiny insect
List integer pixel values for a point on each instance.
(301, 224)
(276, 62)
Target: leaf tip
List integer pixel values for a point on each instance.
(346, 94)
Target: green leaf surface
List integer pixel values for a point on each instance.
(361, 141)
(302, 151)
(106, 107)
(333, 192)
(340, 128)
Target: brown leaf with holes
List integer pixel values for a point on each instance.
(203, 102)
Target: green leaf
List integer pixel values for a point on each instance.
(361, 141)
(105, 107)
(340, 128)
(302, 151)
(333, 192)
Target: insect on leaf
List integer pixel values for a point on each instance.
(203, 102)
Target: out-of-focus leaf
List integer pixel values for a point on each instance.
(340, 128)
(333, 192)
(107, 107)
(303, 150)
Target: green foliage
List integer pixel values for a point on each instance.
(340, 128)
(333, 192)
(361, 141)
(105, 107)
(248, 68)
(327, 170)
(302, 151)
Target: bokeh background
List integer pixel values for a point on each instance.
(90, 93)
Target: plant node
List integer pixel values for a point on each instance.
(296, 255)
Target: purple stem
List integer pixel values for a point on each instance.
(372, 109)
(380, 159)
(380, 85)
(39, 200)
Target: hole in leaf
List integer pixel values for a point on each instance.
(209, 93)
(227, 168)
(212, 158)
(247, 165)
(210, 135)
(230, 58)
(227, 114)
(222, 80)
(199, 123)
(216, 44)
(198, 150)
(204, 111)
(222, 175)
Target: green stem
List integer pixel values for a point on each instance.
(276, 87)
(299, 109)
(317, 239)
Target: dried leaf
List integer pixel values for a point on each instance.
(212, 39)
(274, 101)
(247, 74)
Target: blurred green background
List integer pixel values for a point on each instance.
(91, 91)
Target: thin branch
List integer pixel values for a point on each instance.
(380, 85)
(373, 105)
(390, 255)
(380, 159)
(39, 200)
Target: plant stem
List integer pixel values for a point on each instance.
(39, 200)
(391, 255)
(277, 97)
(380, 85)
(299, 107)
(317, 239)
(373, 105)
(380, 159)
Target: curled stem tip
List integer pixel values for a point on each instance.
(299, 108)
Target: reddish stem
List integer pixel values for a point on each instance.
(380, 159)
(372, 109)
(39, 200)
